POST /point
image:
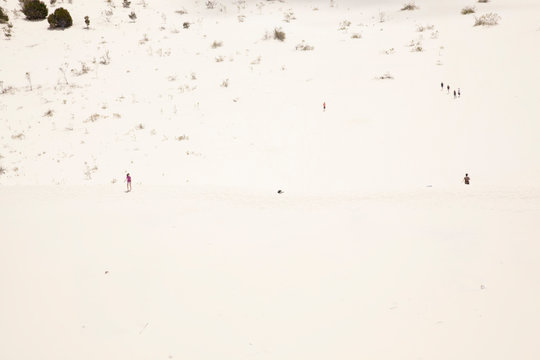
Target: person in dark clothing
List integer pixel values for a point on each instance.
(467, 179)
(447, 88)
(459, 92)
(454, 94)
(442, 86)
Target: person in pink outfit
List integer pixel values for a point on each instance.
(128, 181)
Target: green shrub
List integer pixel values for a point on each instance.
(34, 9)
(3, 16)
(60, 19)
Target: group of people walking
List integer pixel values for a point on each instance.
(456, 93)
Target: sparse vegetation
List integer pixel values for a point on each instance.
(225, 83)
(34, 9)
(105, 59)
(217, 44)
(385, 76)
(279, 34)
(409, 6)
(210, 4)
(126, 3)
(488, 19)
(382, 17)
(87, 22)
(422, 28)
(185, 25)
(133, 16)
(60, 19)
(289, 16)
(483, 1)
(182, 138)
(468, 10)
(3, 16)
(356, 36)
(344, 25)
(2, 170)
(8, 31)
(304, 47)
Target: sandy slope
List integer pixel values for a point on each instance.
(375, 250)
(190, 273)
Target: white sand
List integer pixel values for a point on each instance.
(375, 250)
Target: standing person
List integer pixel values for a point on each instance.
(442, 86)
(467, 179)
(447, 89)
(454, 94)
(459, 92)
(128, 181)
(324, 106)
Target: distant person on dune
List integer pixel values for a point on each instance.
(467, 179)
(324, 106)
(459, 92)
(454, 94)
(448, 89)
(442, 86)
(128, 182)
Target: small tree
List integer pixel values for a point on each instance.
(126, 3)
(87, 21)
(133, 16)
(279, 34)
(60, 19)
(34, 9)
(3, 16)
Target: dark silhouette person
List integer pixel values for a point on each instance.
(467, 179)
(459, 92)
(324, 106)
(442, 86)
(447, 88)
(454, 94)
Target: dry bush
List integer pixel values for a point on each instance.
(416, 46)
(483, 1)
(133, 16)
(18, 136)
(488, 19)
(181, 12)
(304, 47)
(468, 10)
(186, 25)
(219, 58)
(289, 16)
(105, 59)
(422, 28)
(217, 44)
(344, 25)
(385, 76)
(382, 17)
(182, 138)
(241, 18)
(356, 36)
(126, 3)
(225, 83)
(49, 113)
(279, 34)
(409, 6)
(211, 4)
